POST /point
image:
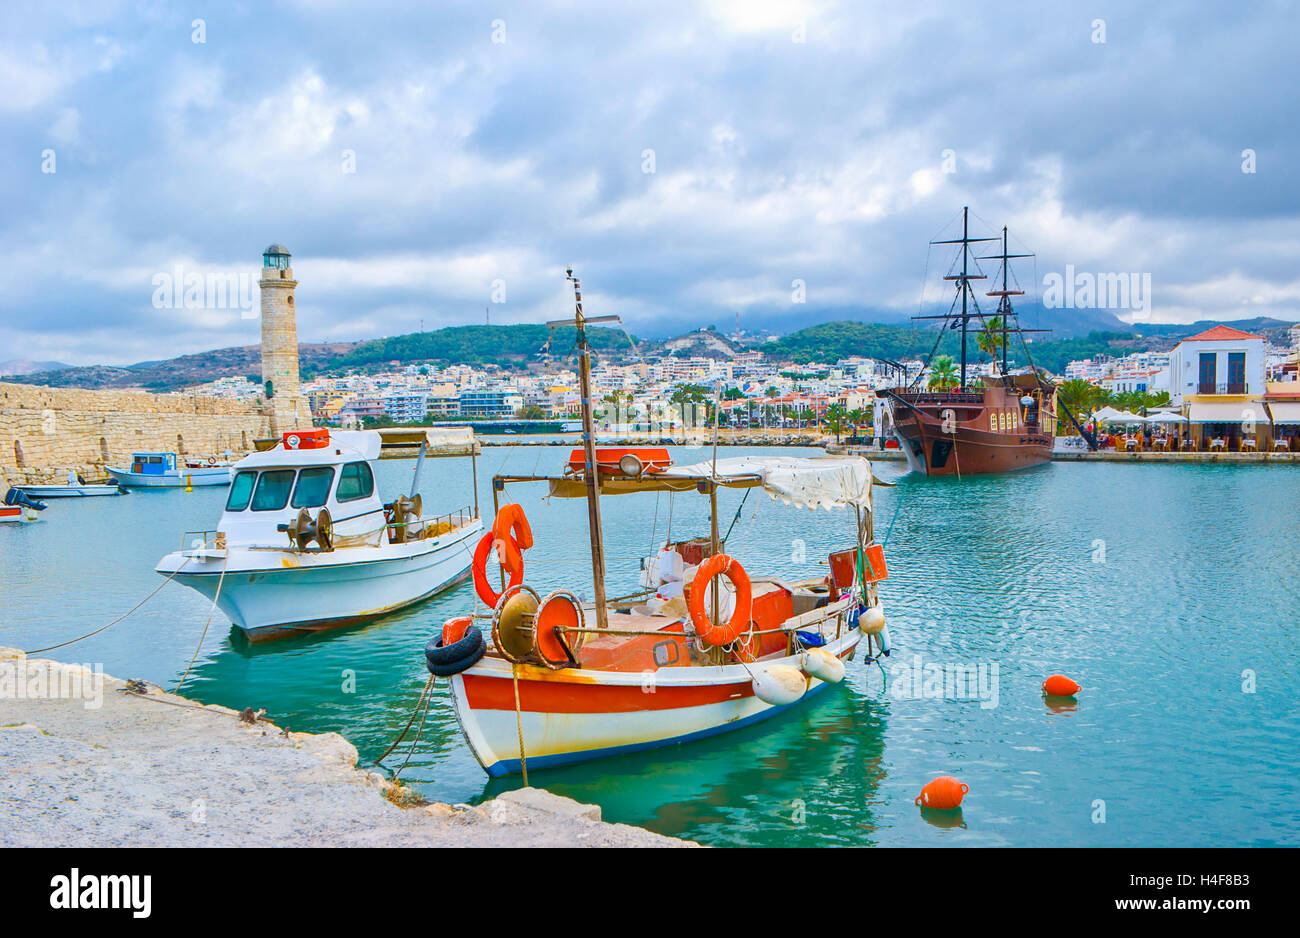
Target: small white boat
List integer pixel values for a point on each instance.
(305, 543)
(73, 490)
(154, 470)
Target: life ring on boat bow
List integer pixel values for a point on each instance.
(479, 566)
(721, 634)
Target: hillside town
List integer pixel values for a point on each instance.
(668, 392)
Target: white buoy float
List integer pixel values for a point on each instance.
(822, 665)
(779, 684)
(872, 620)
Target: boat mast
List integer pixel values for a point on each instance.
(963, 284)
(965, 240)
(590, 475)
(1005, 294)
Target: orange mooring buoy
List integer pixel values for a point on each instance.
(1058, 685)
(944, 793)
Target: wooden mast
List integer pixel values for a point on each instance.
(590, 474)
(963, 286)
(1005, 294)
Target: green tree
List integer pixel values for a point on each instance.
(943, 372)
(836, 420)
(989, 339)
(858, 418)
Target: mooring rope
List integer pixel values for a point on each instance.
(428, 701)
(519, 723)
(79, 638)
(211, 611)
(415, 710)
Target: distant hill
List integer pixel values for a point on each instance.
(505, 346)
(174, 374)
(25, 366)
(1275, 330)
(702, 343)
(523, 347)
(830, 341)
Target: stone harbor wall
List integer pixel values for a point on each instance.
(88, 760)
(46, 431)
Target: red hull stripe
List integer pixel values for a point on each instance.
(494, 693)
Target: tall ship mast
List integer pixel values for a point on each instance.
(995, 423)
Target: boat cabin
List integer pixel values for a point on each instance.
(153, 464)
(272, 486)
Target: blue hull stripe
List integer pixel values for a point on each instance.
(513, 766)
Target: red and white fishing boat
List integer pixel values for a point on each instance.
(703, 647)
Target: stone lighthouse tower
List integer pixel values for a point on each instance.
(285, 404)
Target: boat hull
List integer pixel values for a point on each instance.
(68, 491)
(177, 478)
(971, 452)
(271, 594)
(968, 433)
(576, 715)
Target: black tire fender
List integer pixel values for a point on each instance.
(445, 661)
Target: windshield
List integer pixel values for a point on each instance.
(272, 492)
(313, 487)
(241, 490)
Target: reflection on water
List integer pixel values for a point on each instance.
(1164, 590)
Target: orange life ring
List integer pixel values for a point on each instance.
(479, 568)
(512, 531)
(733, 571)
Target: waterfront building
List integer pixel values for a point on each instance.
(489, 404)
(1217, 377)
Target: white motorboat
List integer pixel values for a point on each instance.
(306, 544)
(71, 490)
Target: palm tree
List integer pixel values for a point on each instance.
(990, 338)
(943, 373)
(1081, 398)
(836, 420)
(857, 417)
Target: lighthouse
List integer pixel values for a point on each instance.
(285, 404)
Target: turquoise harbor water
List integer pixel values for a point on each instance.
(1164, 590)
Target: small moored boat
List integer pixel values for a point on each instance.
(305, 543)
(703, 647)
(155, 470)
(71, 490)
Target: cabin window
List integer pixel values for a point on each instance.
(241, 490)
(313, 488)
(272, 492)
(355, 481)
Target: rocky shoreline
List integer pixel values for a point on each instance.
(89, 760)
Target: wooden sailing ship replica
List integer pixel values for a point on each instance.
(703, 647)
(1001, 422)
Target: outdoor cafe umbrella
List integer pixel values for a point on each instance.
(1166, 418)
(1111, 415)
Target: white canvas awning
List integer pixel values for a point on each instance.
(1287, 412)
(804, 481)
(1220, 412)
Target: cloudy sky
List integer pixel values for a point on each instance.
(694, 161)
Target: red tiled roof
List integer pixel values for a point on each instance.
(1221, 333)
